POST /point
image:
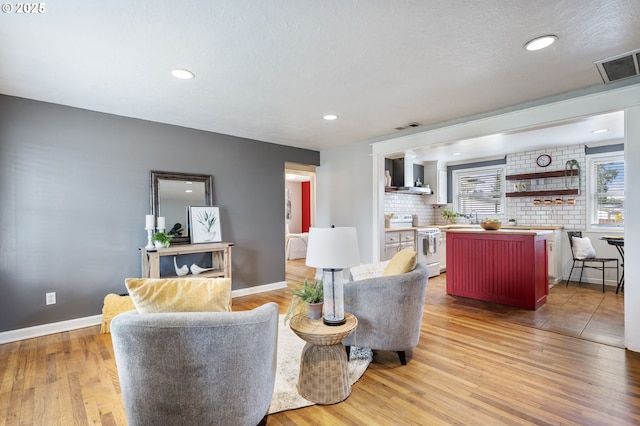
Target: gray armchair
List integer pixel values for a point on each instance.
(197, 368)
(389, 311)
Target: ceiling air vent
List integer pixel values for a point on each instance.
(412, 124)
(619, 67)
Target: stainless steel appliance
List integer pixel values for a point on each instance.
(429, 249)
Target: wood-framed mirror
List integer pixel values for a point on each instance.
(171, 195)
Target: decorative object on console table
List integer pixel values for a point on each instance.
(333, 249)
(161, 239)
(196, 270)
(204, 224)
(150, 226)
(181, 271)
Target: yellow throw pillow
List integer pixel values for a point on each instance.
(153, 295)
(401, 262)
(114, 305)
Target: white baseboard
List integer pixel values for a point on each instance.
(258, 289)
(590, 280)
(52, 328)
(59, 327)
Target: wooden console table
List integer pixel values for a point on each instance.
(220, 255)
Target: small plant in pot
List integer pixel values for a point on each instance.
(450, 215)
(161, 239)
(309, 295)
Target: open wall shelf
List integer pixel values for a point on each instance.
(544, 175)
(543, 193)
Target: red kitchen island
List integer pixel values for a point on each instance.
(505, 266)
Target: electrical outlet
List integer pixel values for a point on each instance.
(51, 298)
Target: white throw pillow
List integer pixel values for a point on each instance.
(582, 248)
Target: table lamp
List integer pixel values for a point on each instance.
(333, 249)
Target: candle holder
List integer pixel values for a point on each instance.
(149, 246)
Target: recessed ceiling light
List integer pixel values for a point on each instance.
(188, 190)
(182, 74)
(540, 42)
(595, 132)
(457, 153)
(330, 117)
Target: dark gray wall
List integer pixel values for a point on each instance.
(74, 190)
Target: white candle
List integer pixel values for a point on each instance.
(150, 222)
(161, 224)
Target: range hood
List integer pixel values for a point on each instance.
(404, 174)
(420, 190)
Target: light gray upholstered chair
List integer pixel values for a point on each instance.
(197, 368)
(389, 311)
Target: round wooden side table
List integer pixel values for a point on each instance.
(323, 378)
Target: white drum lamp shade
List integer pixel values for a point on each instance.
(333, 249)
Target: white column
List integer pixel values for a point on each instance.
(632, 230)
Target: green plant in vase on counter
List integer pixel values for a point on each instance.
(450, 215)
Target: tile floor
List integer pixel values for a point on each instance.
(580, 311)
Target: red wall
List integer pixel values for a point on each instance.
(306, 206)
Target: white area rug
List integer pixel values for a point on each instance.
(285, 394)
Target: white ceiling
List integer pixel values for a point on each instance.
(269, 70)
(548, 137)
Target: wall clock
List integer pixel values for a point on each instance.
(543, 160)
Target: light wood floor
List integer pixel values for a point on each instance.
(471, 367)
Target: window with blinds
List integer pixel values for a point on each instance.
(479, 190)
(606, 190)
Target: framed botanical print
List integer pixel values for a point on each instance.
(204, 224)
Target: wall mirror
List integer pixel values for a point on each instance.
(171, 196)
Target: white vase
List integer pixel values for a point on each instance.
(387, 178)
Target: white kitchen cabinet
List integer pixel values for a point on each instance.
(554, 256)
(435, 175)
(394, 241)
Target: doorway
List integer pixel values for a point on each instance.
(300, 214)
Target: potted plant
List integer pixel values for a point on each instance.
(450, 215)
(512, 222)
(161, 239)
(309, 295)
